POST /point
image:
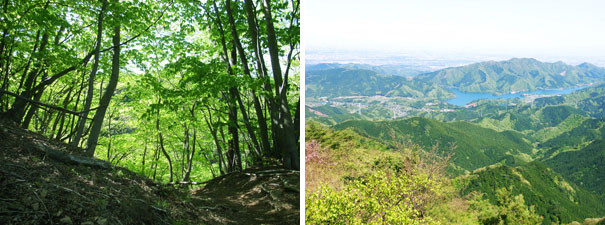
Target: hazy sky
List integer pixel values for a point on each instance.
(523, 28)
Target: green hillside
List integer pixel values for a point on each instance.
(476, 146)
(579, 136)
(539, 124)
(556, 199)
(585, 168)
(359, 82)
(590, 100)
(329, 115)
(514, 75)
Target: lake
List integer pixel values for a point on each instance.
(463, 98)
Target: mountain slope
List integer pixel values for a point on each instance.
(476, 146)
(359, 82)
(585, 168)
(514, 75)
(577, 137)
(556, 199)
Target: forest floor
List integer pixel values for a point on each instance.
(35, 189)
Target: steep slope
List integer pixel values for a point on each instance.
(329, 115)
(590, 100)
(514, 75)
(556, 199)
(476, 146)
(589, 130)
(41, 188)
(540, 123)
(585, 168)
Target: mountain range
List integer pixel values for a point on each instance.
(496, 77)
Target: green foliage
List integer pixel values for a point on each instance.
(476, 146)
(514, 75)
(554, 198)
(355, 82)
(589, 130)
(376, 199)
(584, 167)
(508, 209)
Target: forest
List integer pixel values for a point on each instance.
(178, 92)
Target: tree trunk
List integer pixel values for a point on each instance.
(73, 118)
(161, 138)
(97, 121)
(233, 152)
(143, 163)
(284, 119)
(190, 159)
(17, 111)
(257, 106)
(214, 131)
(185, 152)
(91, 80)
(260, 63)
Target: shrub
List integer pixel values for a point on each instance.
(379, 198)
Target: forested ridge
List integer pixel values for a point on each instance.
(177, 91)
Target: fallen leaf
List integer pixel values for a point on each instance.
(66, 220)
(102, 221)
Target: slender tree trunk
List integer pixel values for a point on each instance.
(156, 156)
(233, 151)
(287, 134)
(190, 158)
(31, 111)
(4, 58)
(257, 106)
(97, 121)
(260, 63)
(91, 80)
(72, 130)
(109, 141)
(157, 127)
(29, 62)
(210, 163)
(17, 111)
(185, 152)
(61, 115)
(213, 131)
(222, 132)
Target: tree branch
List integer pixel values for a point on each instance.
(45, 105)
(146, 29)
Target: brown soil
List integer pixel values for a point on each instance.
(253, 196)
(35, 189)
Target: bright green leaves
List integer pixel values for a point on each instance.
(509, 209)
(379, 198)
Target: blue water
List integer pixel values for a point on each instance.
(463, 98)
